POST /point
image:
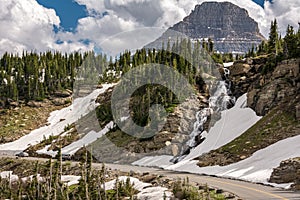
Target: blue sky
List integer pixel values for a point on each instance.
(68, 10)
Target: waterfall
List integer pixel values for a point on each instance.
(221, 99)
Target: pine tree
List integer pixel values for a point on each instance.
(290, 42)
(210, 45)
(273, 38)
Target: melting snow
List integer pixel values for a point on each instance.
(154, 193)
(228, 64)
(138, 185)
(70, 179)
(58, 120)
(86, 140)
(146, 191)
(10, 175)
(234, 122)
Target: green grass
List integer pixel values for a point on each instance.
(182, 189)
(261, 131)
(15, 123)
(120, 138)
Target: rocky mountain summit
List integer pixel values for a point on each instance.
(228, 25)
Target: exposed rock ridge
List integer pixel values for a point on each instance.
(228, 25)
(267, 90)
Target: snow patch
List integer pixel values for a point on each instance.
(229, 64)
(146, 190)
(9, 175)
(58, 120)
(154, 193)
(86, 140)
(137, 184)
(70, 179)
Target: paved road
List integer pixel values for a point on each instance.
(245, 190)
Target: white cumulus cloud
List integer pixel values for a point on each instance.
(26, 25)
(285, 11)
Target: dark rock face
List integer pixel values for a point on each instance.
(287, 172)
(280, 87)
(228, 25)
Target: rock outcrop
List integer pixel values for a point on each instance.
(267, 90)
(287, 172)
(228, 25)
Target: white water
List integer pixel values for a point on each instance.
(233, 123)
(220, 100)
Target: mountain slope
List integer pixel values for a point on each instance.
(228, 25)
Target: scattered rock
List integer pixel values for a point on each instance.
(149, 178)
(61, 101)
(243, 157)
(63, 93)
(34, 104)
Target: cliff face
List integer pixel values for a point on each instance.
(267, 90)
(230, 27)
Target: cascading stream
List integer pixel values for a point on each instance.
(221, 99)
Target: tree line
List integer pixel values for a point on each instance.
(283, 48)
(35, 76)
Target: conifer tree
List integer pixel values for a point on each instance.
(273, 38)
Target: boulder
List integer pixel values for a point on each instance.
(34, 104)
(61, 101)
(63, 93)
(297, 108)
(287, 172)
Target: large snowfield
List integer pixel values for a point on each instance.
(234, 122)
